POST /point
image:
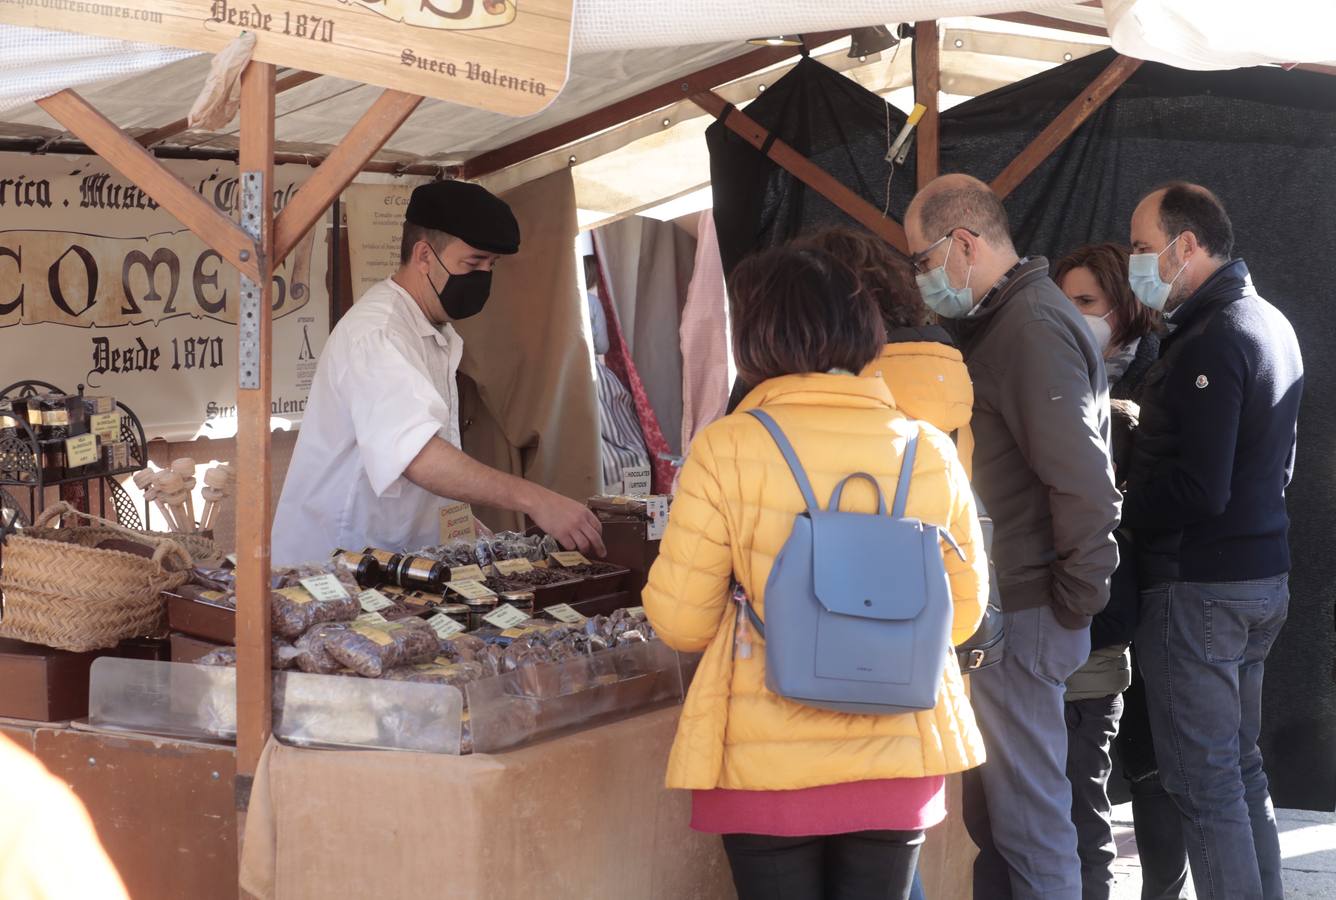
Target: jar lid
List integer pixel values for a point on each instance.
(518, 596)
(453, 609)
(479, 601)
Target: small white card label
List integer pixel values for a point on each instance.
(562, 612)
(444, 626)
(467, 573)
(372, 618)
(512, 566)
(374, 601)
(505, 616)
(471, 590)
(569, 558)
(325, 587)
(657, 509)
(636, 481)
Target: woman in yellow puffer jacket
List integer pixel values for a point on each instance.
(811, 801)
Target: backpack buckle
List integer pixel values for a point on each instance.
(976, 659)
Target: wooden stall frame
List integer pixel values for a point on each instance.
(927, 91)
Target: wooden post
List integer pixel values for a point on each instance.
(1065, 124)
(927, 84)
(802, 168)
(254, 681)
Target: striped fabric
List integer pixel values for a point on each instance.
(623, 445)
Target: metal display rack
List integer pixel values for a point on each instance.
(21, 466)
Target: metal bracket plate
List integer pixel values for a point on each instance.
(248, 318)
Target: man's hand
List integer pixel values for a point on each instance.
(571, 523)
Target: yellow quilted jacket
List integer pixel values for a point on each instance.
(929, 381)
(734, 510)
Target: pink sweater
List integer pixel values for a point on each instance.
(893, 804)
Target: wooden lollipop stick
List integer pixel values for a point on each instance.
(185, 467)
(211, 498)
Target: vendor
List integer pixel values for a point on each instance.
(379, 454)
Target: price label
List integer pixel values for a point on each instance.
(106, 426)
(81, 450)
(444, 626)
(471, 590)
(512, 566)
(299, 595)
(371, 618)
(562, 612)
(569, 558)
(374, 601)
(457, 523)
(325, 587)
(636, 481)
(657, 510)
(373, 630)
(505, 616)
(467, 573)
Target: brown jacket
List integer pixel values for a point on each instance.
(1041, 459)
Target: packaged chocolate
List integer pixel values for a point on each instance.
(294, 609)
(368, 648)
(115, 456)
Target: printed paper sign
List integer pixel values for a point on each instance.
(457, 523)
(467, 573)
(636, 481)
(371, 618)
(569, 558)
(374, 601)
(444, 626)
(325, 587)
(505, 616)
(81, 450)
(512, 566)
(471, 590)
(562, 612)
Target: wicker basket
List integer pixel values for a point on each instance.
(59, 590)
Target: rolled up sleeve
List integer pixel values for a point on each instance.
(394, 407)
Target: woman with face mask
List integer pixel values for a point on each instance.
(1105, 697)
(1094, 278)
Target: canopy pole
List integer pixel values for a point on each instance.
(802, 168)
(927, 85)
(1065, 124)
(254, 387)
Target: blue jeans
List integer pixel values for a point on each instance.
(1202, 649)
(1020, 710)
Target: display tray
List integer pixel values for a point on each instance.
(200, 619)
(602, 585)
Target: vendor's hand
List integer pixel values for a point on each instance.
(571, 523)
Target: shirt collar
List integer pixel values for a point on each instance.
(422, 326)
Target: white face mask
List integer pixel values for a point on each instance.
(1101, 329)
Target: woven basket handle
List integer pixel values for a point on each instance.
(163, 547)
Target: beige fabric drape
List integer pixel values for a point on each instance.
(528, 405)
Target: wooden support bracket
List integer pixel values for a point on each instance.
(1063, 126)
(927, 85)
(79, 117)
(377, 125)
(804, 169)
(254, 680)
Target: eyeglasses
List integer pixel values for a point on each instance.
(920, 260)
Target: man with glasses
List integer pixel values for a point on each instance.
(1041, 467)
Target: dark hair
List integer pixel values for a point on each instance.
(797, 310)
(884, 275)
(437, 240)
(1191, 207)
(1124, 420)
(1108, 264)
(972, 206)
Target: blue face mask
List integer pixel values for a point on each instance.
(938, 294)
(1143, 274)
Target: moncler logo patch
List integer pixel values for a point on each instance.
(1203, 382)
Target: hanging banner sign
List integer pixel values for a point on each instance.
(375, 226)
(101, 287)
(506, 56)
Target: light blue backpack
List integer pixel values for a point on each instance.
(858, 606)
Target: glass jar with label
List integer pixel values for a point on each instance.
(388, 561)
(53, 459)
(9, 423)
(63, 416)
(479, 607)
(29, 409)
(457, 611)
(422, 574)
(521, 600)
(364, 569)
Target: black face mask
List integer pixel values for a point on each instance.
(463, 296)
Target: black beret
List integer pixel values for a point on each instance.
(470, 212)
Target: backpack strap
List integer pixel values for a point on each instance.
(906, 475)
(790, 457)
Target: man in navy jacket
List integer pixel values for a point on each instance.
(1206, 501)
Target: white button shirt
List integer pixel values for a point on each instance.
(385, 386)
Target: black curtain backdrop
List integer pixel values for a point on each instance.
(1263, 139)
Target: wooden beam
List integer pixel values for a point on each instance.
(927, 85)
(1043, 21)
(180, 126)
(646, 102)
(137, 164)
(1062, 127)
(254, 679)
(352, 154)
(804, 170)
